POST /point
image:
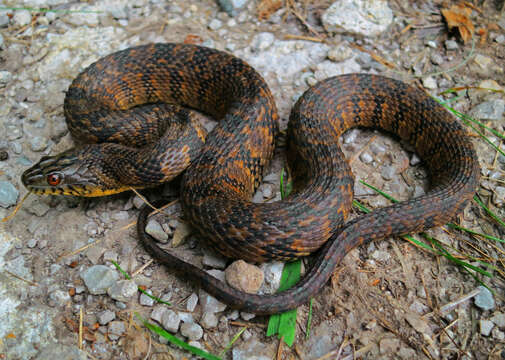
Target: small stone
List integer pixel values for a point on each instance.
(432, 44)
(415, 160)
(382, 256)
(60, 297)
(389, 346)
(94, 253)
(191, 303)
(485, 327)
(170, 320)
(267, 191)
(364, 17)
(210, 303)
(247, 316)
(22, 17)
(484, 299)
(214, 260)
(483, 61)
(192, 331)
(138, 202)
(182, 231)
(110, 255)
(499, 319)
(451, 45)
(209, 320)
(5, 77)
(339, 54)
(215, 24)
(429, 83)
(388, 172)
(500, 39)
(154, 229)
(489, 110)
(51, 351)
(499, 196)
(99, 278)
(437, 59)
(116, 329)
(365, 157)
(195, 344)
(8, 194)
(123, 290)
(4, 19)
(32, 243)
(272, 276)
(350, 136)
(244, 276)
(157, 312)
(105, 317)
(146, 300)
(498, 335)
(262, 41)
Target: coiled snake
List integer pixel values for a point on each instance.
(121, 100)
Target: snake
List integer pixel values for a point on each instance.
(133, 114)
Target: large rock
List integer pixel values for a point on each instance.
(362, 17)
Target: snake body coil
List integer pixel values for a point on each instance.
(223, 175)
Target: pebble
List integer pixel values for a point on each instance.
(214, 260)
(99, 278)
(451, 45)
(389, 345)
(485, 327)
(262, 41)
(253, 350)
(272, 276)
(247, 316)
(209, 320)
(146, 300)
(244, 276)
(182, 231)
(38, 143)
(170, 320)
(157, 312)
(363, 17)
(500, 39)
(484, 299)
(499, 319)
(191, 303)
(192, 331)
(5, 77)
(489, 110)
(8, 194)
(388, 172)
(437, 59)
(4, 19)
(60, 297)
(429, 83)
(350, 136)
(210, 303)
(116, 329)
(483, 61)
(154, 229)
(365, 157)
(215, 24)
(499, 196)
(110, 255)
(22, 17)
(123, 290)
(54, 351)
(105, 317)
(415, 160)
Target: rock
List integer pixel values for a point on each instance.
(485, 327)
(499, 196)
(262, 41)
(244, 276)
(365, 157)
(8, 194)
(437, 59)
(94, 253)
(253, 350)
(247, 316)
(209, 320)
(146, 300)
(22, 17)
(350, 136)
(191, 303)
(389, 346)
(231, 6)
(272, 276)
(363, 17)
(99, 278)
(429, 83)
(54, 351)
(38, 143)
(154, 229)
(213, 260)
(451, 45)
(499, 319)
(116, 329)
(123, 290)
(182, 231)
(105, 317)
(382, 256)
(60, 297)
(484, 299)
(388, 172)
(4, 20)
(483, 61)
(489, 110)
(36, 206)
(170, 320)
(192, 331)
(321, 340)
(210, 303)
(110, 255)
(415, 160)
(157, 312)
(215, 24)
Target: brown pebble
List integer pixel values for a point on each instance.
(244, 276)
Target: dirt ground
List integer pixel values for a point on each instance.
(388, 300)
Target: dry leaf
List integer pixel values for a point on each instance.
(459, 16)
(267, 8)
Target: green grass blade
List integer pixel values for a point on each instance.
(490, 213)
(230, 344)
(176, 341)
(128, 277)
(454, 226)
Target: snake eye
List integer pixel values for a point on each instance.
(54, 179)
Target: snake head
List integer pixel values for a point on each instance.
(68, 173)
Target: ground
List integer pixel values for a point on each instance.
(389, 300)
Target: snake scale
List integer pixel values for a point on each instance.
(145, 95)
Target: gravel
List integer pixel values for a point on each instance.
(8, 194)
(99, 278)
